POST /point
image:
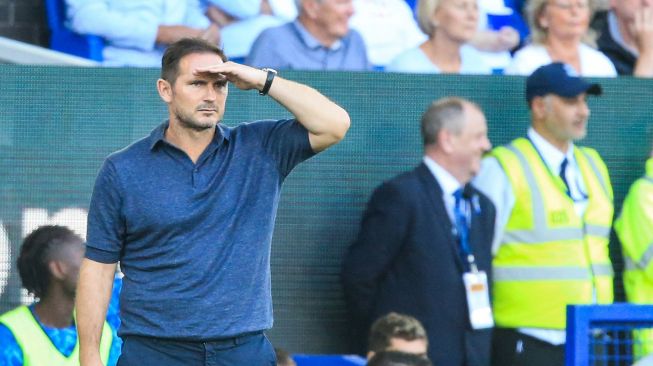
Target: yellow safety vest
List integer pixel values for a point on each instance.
(635, 230)
(37, 348)
(549, 256)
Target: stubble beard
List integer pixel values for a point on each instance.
(189, 122)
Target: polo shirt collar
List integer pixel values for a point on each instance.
(222, 133)
(310, 41)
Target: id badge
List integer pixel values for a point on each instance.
(478, 300)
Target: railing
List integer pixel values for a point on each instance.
(15, 52)
(599, 335)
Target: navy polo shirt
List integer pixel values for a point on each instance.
(193, 239)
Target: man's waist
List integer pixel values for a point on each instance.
(198, 341)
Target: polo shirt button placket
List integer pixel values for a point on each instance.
(195, 177)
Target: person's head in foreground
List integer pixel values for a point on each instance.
(397, 332)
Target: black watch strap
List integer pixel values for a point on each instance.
(268, 81)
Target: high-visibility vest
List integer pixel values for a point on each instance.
(549, 256)
(37, 348)
(634, 228)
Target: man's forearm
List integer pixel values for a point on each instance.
(93, 294)
(167, 34)
(325, 120)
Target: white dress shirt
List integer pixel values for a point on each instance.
(447, 182)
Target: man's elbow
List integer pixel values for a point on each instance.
(341, 126)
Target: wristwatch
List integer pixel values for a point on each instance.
(268, 81)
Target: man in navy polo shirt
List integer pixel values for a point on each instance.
(189, 212)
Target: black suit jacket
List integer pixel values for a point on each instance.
(406, 259)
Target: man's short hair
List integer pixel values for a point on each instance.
(39, 247)
(185, 46)
(393, 358)
(443, 114)
(394, 325)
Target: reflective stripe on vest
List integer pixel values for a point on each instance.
(534, 273)
(643, 262)
(634, 227)
(549, 256)
(541, 232)
(36, 346)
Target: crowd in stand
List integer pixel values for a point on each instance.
(437, 36)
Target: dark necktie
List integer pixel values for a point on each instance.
(563, 175)
(460, 216)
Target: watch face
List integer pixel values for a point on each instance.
(269, 69)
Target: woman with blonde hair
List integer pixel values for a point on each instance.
(450, 25)
(560, 33)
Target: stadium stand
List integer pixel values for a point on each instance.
(64, 40)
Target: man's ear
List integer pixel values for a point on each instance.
(311, 8)
(538, 108)
(57, 269)
(165, 90)
(445, 140)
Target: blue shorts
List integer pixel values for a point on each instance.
(251, 349)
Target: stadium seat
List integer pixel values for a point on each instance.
(329, 360)
(64, 40)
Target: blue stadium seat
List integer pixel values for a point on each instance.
(329, 360)
(412, 4)
(514, 20)
(64, 40)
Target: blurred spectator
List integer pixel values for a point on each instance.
(242, 21)
(425, 233)
(394, 358)
(560, 32)
(627, 37)
(497, 34)
(283, 358)
(319, 39)
(634, 227)
(137, 31)
(450, 25)
(44, 333)
(388, 28)
(502, 13)
(397, 332)
(502, 40)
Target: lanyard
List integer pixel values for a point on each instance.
(462, 215)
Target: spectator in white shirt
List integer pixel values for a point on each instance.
(450, 25)
(560, 33)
